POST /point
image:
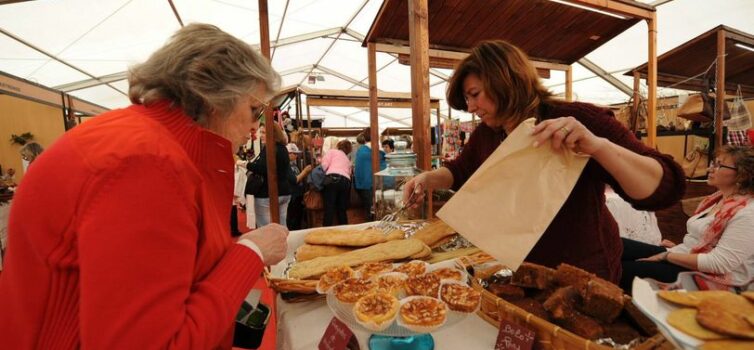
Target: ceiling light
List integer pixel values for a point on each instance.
(742, 46)
(589, 9)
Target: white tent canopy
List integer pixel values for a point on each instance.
(319, 38)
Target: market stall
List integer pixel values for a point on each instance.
(725, 53)
(565, 31)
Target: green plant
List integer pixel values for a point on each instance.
(21, 139)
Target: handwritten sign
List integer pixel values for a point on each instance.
(336, 337)
(514, 337)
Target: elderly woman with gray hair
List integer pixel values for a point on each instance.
(131, 248)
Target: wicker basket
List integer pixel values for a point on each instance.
(548, 335)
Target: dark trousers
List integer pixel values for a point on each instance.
(295, 212)
(366, 202)
(661, 271)
(335, 195)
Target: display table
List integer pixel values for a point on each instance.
(301, 325)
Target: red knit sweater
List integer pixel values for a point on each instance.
(119, 239)
(583, 233)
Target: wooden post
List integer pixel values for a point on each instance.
(569, 84)
(720, 89)
(373, 120)
(634, 119)
(418, 15)
(308, 118)
(652, 82)
(272, 180)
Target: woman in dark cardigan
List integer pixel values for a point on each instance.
(259, 166)
(498, 83)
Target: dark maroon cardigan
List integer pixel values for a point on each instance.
(583, 232)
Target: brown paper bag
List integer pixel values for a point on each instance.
(506, 205)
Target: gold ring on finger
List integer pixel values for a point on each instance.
(565, 130)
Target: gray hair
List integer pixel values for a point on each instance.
(202, 70)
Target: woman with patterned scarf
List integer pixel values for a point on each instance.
(720, 238)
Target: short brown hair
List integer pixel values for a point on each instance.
(345, 146)
(743, 158)
(203, 70)
(31, 151)
(509, 78)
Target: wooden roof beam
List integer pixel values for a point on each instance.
(618, 7)
(457, 55)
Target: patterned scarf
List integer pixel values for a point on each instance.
(715, 230)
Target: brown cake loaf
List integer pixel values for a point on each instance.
(530, 275)
(582, 325)
(621, 332)
(506, 291)
(602, 300)
(541, 295)
(562, 303)
(569, 275)
(532, 306)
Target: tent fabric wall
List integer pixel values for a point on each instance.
(18, 116)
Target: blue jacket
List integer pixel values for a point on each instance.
(363, 168)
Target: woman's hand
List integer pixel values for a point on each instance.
(656, 258)
(416, 185)
(272, 240)
(567, 132)
(667, 244)
(307, 169)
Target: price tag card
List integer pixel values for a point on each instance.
(514, 337)
(336, 337)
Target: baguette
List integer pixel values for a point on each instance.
(311, 251)
(350, 238)
(388, 251)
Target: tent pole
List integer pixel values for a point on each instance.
(720, 89)
(652, 82)
(569, 84)
(272, 180)
(373, 120)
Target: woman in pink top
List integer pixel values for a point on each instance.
(337, 168)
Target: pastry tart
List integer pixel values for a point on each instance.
(460, 297)
(422, 314)
(412, 268)
(352, 289)
(427, 285)
(370, 270)
(447, 273)
(376, 311)
(392, 282)
(333, 277)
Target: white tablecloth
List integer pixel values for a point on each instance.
(301, 325)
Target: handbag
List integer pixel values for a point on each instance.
(700, 108)
(740, 118)
(313, 200)
(254, 184)
(695, 164)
